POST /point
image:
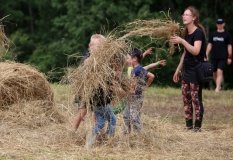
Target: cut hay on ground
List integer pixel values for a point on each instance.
(31, 114)
(163, 135)
(20, 83)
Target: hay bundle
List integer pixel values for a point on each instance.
(155, 29)
(105, 65)
(20, 82)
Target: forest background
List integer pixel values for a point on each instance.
(52, 34)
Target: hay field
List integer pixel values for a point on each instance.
(163, 136)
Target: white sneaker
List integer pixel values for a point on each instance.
(90, 139)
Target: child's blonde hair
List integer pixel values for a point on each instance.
(95, 41)
(97, 36)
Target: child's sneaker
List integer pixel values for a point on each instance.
(90, 139)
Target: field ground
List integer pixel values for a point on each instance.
(48, 136)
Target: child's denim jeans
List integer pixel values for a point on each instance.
(103, 113)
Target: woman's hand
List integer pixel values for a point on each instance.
(176, 40)
(229, 61)
(176, 76)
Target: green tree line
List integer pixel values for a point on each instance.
(52, 34)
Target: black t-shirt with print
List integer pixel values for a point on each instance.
(219, 41)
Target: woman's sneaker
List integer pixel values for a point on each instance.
(189, 128)
(197, 129)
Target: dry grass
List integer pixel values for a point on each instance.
(21, 82)
(163, 135)
(156, 29)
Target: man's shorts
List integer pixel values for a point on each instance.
(218, 64)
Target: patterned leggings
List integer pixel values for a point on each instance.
(192, 95)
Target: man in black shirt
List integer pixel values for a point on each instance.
(220, 48)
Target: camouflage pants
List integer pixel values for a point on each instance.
(132, 113)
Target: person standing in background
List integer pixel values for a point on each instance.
(220, 48)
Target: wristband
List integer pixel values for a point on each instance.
(229, 56)
(158, 62)
(178, 70)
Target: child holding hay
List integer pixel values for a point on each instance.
(121, 107)
(103, 111)
(95, 41)
(138, 84)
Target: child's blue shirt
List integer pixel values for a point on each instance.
(138, 75)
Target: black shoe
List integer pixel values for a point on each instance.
(189, 128)
(189, 123)
(198, 124)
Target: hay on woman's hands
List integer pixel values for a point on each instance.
(154, 28)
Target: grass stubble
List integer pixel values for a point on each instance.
(163, 135)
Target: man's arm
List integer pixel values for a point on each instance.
(208, 49)
(229, 58)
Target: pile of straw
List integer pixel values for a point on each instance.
(32, 114)
(20, 83)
